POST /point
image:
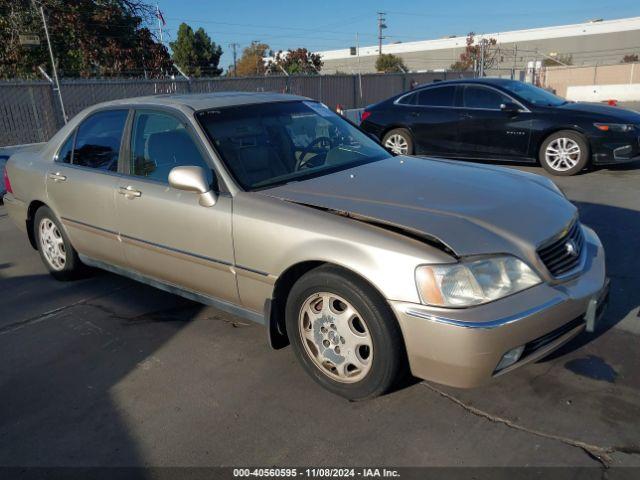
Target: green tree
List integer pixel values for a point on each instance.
(251, 63)
(89, 38)
(183, 49)
(296, 62)
(389, 63)
(195, 53)
(208, 53)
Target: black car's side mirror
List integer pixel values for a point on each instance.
(510, 107)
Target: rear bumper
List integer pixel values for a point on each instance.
(463, 347)
(17, 211)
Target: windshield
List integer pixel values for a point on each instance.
(533, 94)
(273, 143)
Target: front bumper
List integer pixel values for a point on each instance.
(462, 347)
(611, 150)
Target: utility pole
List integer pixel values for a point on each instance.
(515, 59)
(381, 26)
(235, 57)
(359, 70)
(53, 65)
(482, 44)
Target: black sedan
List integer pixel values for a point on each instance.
(504, 120)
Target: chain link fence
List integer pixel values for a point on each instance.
(30, 112)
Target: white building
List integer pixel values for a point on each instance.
(595, 42)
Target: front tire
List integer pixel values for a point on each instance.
(55, 249)
(564, 153)
(344, 334)
(399, 141)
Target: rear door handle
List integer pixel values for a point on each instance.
(57, 177)
(129, 192)
(466, 115)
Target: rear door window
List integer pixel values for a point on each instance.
(437, 97)
(476, 96)
(98, 140)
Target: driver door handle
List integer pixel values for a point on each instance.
(57, 177)
(129, 192)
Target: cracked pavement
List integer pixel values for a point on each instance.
(106, 371)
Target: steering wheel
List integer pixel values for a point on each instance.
(311, 149)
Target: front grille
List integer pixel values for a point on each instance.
(562, 254)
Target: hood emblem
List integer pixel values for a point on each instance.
(571, 248)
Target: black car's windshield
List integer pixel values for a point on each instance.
(274, 143)
(533, 94)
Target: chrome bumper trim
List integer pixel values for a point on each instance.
(416, 312)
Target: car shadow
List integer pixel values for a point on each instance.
(62, 369)
(619, 231)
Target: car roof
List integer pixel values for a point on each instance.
(204, 101)
(480, 81)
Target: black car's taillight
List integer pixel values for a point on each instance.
(366, 114)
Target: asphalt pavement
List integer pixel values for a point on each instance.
(108, 372)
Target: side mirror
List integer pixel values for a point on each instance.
(193, 179)
(510, 107)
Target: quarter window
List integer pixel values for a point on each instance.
(161, 142)
(437, 97)
(482, 97)
(66, 151)
(408, 99)
(98, 140)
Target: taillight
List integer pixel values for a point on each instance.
(366, 114)
(7, 183)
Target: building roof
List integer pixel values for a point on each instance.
(203, 101)
(516, 36)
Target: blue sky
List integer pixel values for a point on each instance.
(330, 24)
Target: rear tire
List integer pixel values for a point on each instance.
(55, 249)
(564, 153)
(399, 141)
(344, 334)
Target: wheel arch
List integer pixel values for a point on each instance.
(395, 126)
(547, 133)
(275, 307)
(31, 215)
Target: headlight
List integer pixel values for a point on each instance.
(473, 282)
(615, 127)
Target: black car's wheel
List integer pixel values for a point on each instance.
(399, 141)
(564, 153)
(344, 334)
(54, 247)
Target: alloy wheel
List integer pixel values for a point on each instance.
(397, 144)
(562, 154)
(335, 337)
(52, 244)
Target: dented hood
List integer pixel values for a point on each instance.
(472, 209)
